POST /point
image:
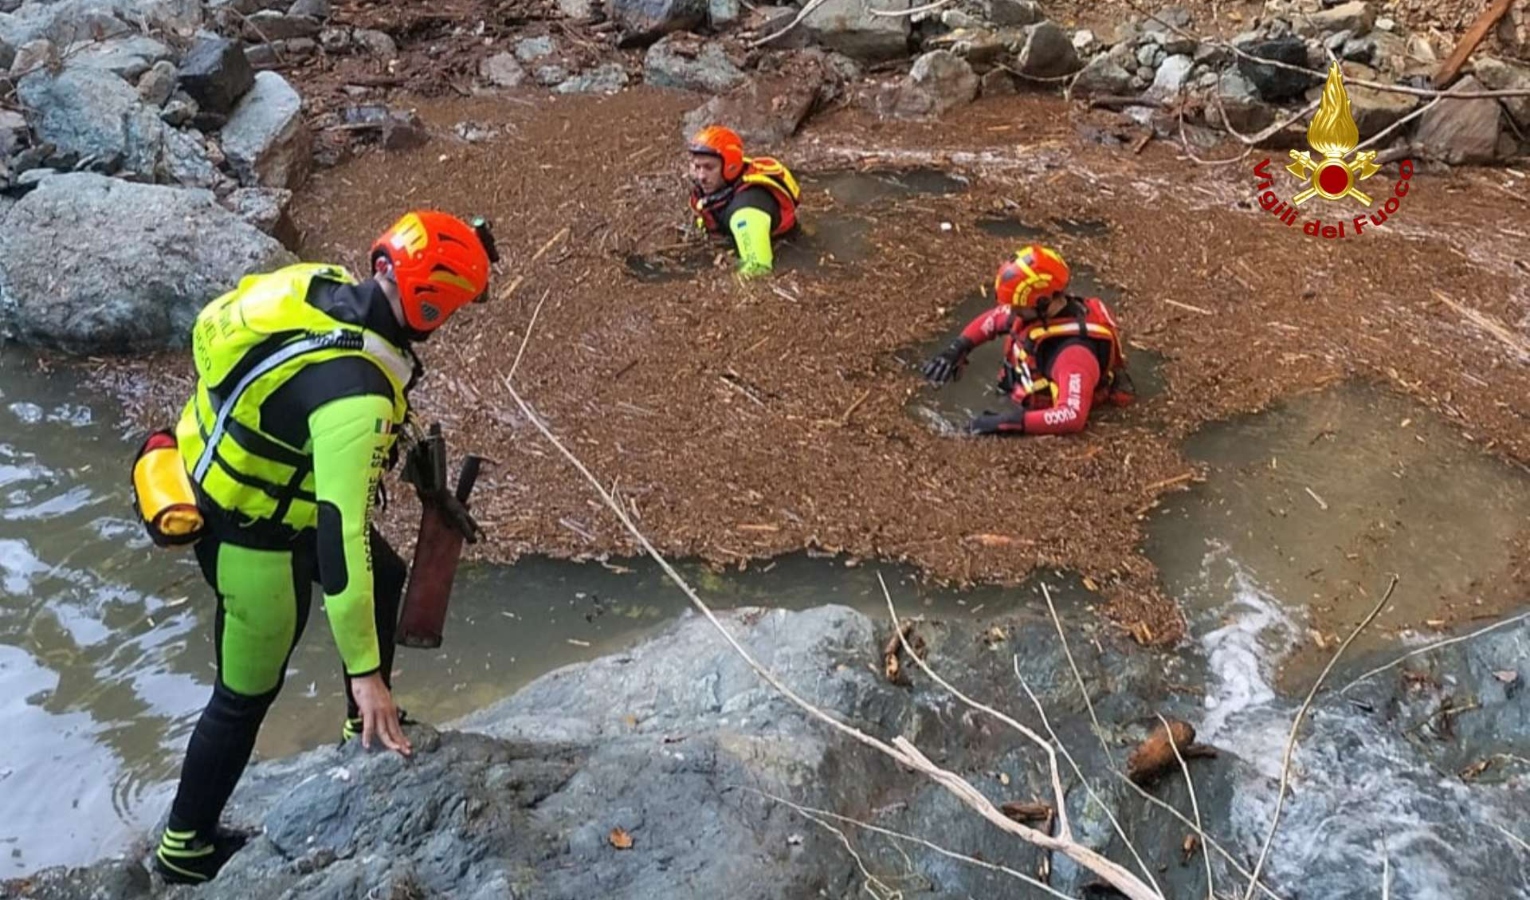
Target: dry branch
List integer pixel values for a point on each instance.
(1296, 724)
(1057, 789)
(1485, 21)
(1435, 646)
(897, 835)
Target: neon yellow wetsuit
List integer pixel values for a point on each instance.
(303, 375)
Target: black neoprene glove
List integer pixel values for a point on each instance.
(948, 363)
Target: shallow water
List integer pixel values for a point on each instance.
(1322, 500)
(105, 640)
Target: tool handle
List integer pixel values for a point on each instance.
(468, 477)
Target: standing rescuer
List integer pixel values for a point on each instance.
(753, 199)
(1062, 353)
(303, 377)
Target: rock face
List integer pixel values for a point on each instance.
(1461, 131)
(215, 73)
(674, 741)
(1374, 110)
(1500, 75)
(676, 64)
(266, 140)
(938, 82)
(768, 108)
(90, 264)
(648, 19)
(845, 26)
(1102, 76)
(502, 70)
(95, 120)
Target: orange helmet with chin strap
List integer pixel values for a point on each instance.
(723, 143)
(1033, 275)
(439, 262)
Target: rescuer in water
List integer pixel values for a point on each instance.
(303, 382)
(752, 199)
(1062, 353)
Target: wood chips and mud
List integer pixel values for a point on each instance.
(738, 422)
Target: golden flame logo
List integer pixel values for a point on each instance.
(1334, 135)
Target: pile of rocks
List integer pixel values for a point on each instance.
(988, 47)
(135, 126)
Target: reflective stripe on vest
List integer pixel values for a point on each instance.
(247, 343)
(1024, 348)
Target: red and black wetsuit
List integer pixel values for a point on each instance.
(1077, 370)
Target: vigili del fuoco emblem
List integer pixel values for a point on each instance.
(1333, 135)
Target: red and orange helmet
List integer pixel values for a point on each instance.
(723, 143)
(1035, 274)
(439, 262)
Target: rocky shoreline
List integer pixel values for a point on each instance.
(650, 771)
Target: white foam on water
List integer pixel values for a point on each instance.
(1243, 652)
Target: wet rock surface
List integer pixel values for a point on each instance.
(649, 767)
(94, 264)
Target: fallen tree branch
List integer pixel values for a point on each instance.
(900, 750)
(887, 892)
(1057, 788)
(797, 20)
(1068, 651)
(1195, 805)
(527, 336)
(1484, 23)
(1430, 647)
(1296, 724)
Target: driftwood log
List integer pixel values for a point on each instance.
(1155, 755)
(892, 653)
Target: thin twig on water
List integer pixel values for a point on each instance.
(1195, 805)
(1431, 647)
(1285, 765)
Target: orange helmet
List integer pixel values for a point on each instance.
(1035, 274)
(439, 262)
(723, 143)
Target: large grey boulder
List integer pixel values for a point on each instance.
(677, 63)
(1461, 131)
(126, 57)
(91, 264)
(1048, 52)
(94, 117)
(1102, 76)
(1356, 17)
(266, 140)
(1373, 110)
(846, 26)
(770, 107)
(938, 82)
